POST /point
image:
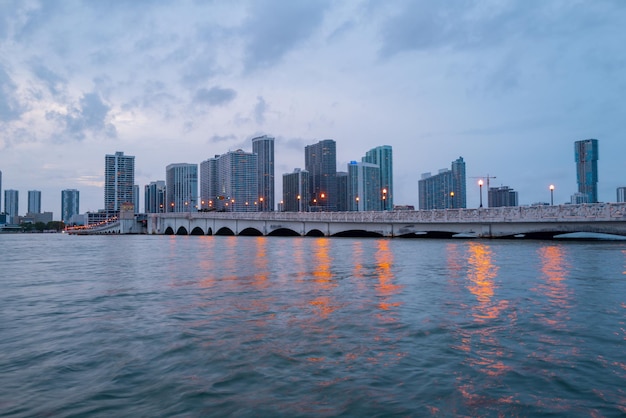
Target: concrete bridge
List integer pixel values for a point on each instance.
(523, 221)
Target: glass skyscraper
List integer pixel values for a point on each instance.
(11, 205)
(320, 161)
(34, 201)
(181, 185)
(296, 191)
(208, 183)
(364, 191)
(237, 182)
(586, 154)
(119, 181)
(383, 157)
(70, 204)
(154, 197)
(263, 147)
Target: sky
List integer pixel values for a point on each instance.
(507, 85)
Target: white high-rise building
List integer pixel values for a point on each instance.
(34, 201)
(119, 181)
(237, 182)
(181, 186)
(364, 187)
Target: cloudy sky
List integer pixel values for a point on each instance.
(508, 85)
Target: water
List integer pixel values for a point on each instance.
(256, 326)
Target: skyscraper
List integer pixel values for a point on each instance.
(621, 194)
(11, 205)
(263, 147)
(181, 185)
(501, 196)
(34, 201)
(0, 190)
(586, 154)
(70, 204)
(237, 182)
(342, 191)
(364, 192)
(208, 183)
(119, 179)
(383, 157)
(320, 161)
(296, 191)
(154, 197)
(445, 190)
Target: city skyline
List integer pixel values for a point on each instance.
(509, 86)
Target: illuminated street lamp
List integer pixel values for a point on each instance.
(357, 203)
(480, 185)
(299, 208)
(552, 195)
(232, 206)
(452, 200)
(385, 199)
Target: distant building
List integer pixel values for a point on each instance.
(502, 196)
(578, 198)
(383, 157)
(237, 182)
(208, 183)
(621, 194)
(136, 198)
(34, 201)
(181, 185)
(38, 217)
(444, 190)
(263, 147)
(154, 197)
(296, 191)
(343, 204)
(70, 204)
(586, 154)
(119, 181)
(364, 187)
(320, 161)
(11, 205)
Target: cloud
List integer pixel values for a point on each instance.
(10, 108)
(275, 27)
(215, 96)
(222, 138)
(53, 81)
(259, 110)
(90, 116)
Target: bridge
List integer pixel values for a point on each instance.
(519, 222)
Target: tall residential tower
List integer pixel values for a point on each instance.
(320, 161)
(181, 186)
(119, 181)
(383, 157)
(70, 204)
(445, 190)
(263, 147)
(586, 154)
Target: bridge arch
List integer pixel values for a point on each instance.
(251, 232)
(197, 231)
(315, 233)
(283, 232)
(225, 231)
(358, 233)
(169, 231)
(182, 231)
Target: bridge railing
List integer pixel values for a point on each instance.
(542, 213)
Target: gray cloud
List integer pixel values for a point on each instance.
(53, 81)
(259, 110)
(276, 26)
(90, 116)
(216, 96)
(10, 108)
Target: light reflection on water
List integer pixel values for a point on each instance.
(256, 326)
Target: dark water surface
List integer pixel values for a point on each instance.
(255, 326)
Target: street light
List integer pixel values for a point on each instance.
(552, 195)
(299, 208)
(452, 200)
(357, 203)
(384, 199)
(480, 185)
(232, 206)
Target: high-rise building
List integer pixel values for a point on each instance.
(364, 192)
(208, 183)
(342, 191)
(70, 204)
(320, 161)
(119, 179)
(383, 157)
(34, 201)
(296, 188)
(237, 182)
(263, 147)
(11, 205)
(586, 154)
(154, 197)
(181, 186)
(136, 198)
(621, 194)
(445, 190)
(0, 190)
(502, 196)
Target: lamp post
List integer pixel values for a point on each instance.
(552, 195)
(357, 203)
(480, 185)
(451, 200)
(299, 208)
(384, 199)
(232, 205)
